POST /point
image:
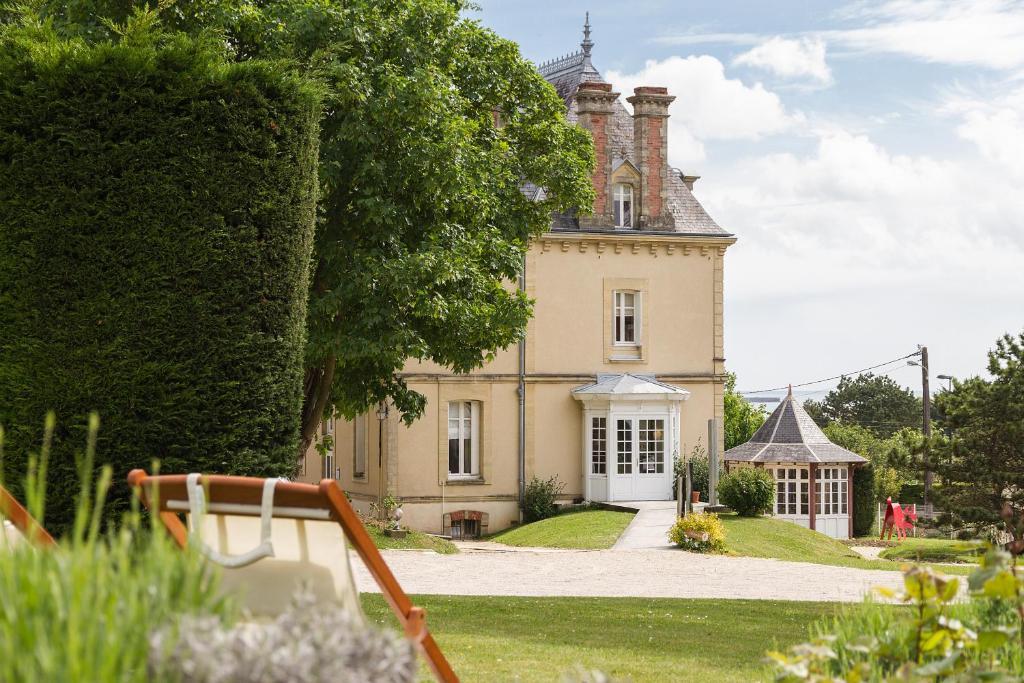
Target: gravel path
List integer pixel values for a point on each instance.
(623, 573)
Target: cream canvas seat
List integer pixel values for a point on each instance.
(272, 536)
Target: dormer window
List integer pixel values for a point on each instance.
(623, 206)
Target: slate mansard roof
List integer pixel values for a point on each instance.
(566, 74)
(789, 435)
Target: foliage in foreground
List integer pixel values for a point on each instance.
(83, 611)
(701, 532)
(750, 491)
(309, 643)
(540, 497)
(936, 639)
(156, 223)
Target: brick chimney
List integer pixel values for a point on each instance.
(650, 140)
(594, 105)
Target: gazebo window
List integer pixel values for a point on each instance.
(623, 202)
(831, 489)
(786, 491)
(599, 445)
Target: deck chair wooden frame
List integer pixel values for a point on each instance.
(15, 512)
(326, 501)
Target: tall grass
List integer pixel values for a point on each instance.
(84, 611)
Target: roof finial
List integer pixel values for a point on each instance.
(587, 43)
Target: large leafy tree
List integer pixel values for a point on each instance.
(981, 463)
(875, 402)
(741, 418)
(432, 126)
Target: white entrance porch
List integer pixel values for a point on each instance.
(630, 437)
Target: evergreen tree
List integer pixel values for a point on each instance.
(875, 402)
(981, 463)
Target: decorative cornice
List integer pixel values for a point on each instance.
(655, 244)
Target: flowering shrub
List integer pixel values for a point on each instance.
(309, 643)
(702, 533)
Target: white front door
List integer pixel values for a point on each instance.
(641, 469)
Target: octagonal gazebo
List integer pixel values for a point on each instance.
(795, 450)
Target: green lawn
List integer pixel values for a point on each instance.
(415, 540)
(539, 639)
(781, 540)
(585, 530)
(934, 550)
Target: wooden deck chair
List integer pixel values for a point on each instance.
(18, 525)
(271, 535)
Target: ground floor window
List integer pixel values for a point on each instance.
(359, 447)
(599, 445)
(792, 491)
(463, 439)
(624, 446)
(831, 490)
(651, 447)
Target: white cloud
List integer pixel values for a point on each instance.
(855, 248)
(995, 125)
(987, 33)
(802, 58)
(708, 106)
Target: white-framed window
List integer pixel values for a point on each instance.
(463, 439)
(792, 491)
(599, 445)
(623, 203)
(626, 317)
(330, 463)
(651, 446)
(359, 447)
(624, 446)
(831, 488)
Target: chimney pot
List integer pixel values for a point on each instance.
(689, 180)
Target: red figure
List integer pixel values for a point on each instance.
(896, 520)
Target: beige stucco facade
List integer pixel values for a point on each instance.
(568, 344)
(622, 366)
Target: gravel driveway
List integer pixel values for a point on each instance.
(484, 570)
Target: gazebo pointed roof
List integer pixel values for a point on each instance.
(789, 435)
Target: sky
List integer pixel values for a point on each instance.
(869, 156)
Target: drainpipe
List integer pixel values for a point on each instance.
(521, 390)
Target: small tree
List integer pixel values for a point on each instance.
(741, 418)
(749, 491)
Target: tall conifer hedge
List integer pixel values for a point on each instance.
(157, 210)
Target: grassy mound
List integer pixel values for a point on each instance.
(933, 550)
(414, 540)
(584, 530)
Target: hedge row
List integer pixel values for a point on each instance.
(157, 210)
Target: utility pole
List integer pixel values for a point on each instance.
(926, 426)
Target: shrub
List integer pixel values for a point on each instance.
(309, 643)
(701, 532)
(539, 498)
(699, 458)
(864, 501)
(750, 491)
(157, 209)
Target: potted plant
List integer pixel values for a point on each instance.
(392, 513)
(695, 496)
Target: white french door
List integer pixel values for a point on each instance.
(642, 470)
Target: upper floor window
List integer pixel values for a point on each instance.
(626, 316)
(463, 439)
(623, 202)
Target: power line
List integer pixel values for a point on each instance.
(829, 379)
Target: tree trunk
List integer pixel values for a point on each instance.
(316, 393)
